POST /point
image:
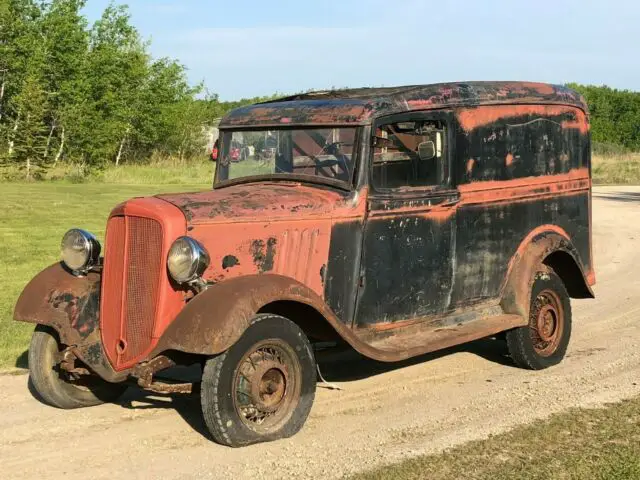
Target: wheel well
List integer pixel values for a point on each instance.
(312, 322)
(565, 266)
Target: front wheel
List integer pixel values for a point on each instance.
(57, 388)
(262, 388)
(544, 341)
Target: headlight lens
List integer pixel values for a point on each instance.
(80, 250)
(187, 260)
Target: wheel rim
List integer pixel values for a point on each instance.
(267, 385)
(546, 323)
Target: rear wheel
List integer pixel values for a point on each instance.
(544, 341)
(262, 388)
(57, 388)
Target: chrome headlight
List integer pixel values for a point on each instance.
(80, 250)
(187, 260)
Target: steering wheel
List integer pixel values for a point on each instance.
(337, 167)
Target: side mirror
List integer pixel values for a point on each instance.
(426, 150)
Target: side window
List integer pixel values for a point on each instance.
(409, 154)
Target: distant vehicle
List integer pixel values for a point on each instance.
(234, 154)
(214, 152)
(396, 220)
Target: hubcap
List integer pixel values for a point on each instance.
(267, 385)
(546, 322)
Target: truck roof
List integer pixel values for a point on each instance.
(360, 106)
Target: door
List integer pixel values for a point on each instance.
(409, 236)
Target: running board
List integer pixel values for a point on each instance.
(394, 343)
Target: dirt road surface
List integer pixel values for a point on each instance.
(384, 412)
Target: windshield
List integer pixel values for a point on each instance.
(317, 153)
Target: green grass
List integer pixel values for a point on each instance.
(589, 444)
(166, 171)
(616, 169)
(33, 218)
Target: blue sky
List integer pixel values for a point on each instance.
(244, 48)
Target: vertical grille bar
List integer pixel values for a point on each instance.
(112, 283)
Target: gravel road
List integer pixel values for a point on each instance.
(384, 412)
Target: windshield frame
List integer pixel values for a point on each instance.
(292, 177)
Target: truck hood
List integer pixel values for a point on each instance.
(256, 202)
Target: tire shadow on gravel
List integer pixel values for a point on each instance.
(336, 366)
(618, 196)
(348, 365)
(187, 405)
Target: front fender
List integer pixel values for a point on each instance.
(71, 306)
(216, 318)
(67, 303)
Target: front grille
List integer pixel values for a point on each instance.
(132, 270)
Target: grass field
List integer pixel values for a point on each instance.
(580, 444)
(33, 218)
(616, 170)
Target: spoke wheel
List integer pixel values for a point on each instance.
(262, 387)
(266, 385)
(546, 322)
(544, 341)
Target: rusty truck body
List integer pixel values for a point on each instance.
(397, 220)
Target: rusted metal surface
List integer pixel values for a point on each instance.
(67, 303)
(281, 228)
(360, 106)
(547, 322)
(169, 388)
(197, 329)
(529, 259)
(473, 118)
(266, 385)
(406, 343)
(256, 202)
(70, 305)
(145, 371)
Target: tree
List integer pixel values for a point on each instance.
(66, 43)
(92, 94)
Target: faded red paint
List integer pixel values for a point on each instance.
(470, 164)
(256, 201)
(276, 114)
(580, 123)
(576, 180)
(169, 301)
(472, 118)
(361, 106)
(268, 227)
(437, 213)
(541, 88)
(508, 161)
(534, 233)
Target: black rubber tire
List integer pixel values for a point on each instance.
(217, 388)
(50, 386)
(520, 341)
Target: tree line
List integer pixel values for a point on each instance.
(614, 114)
(93, 94)
(74, 92)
